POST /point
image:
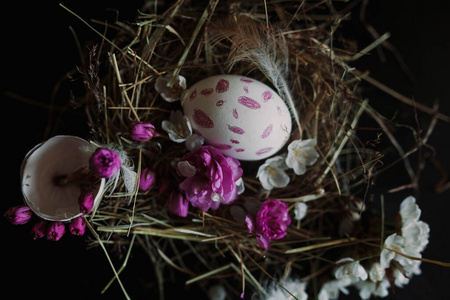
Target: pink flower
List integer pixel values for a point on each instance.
(86, 202)
(39, 229)
(77, 226)
(178, 204)
(270, 223)
(142, 131)
(104, 162)
(55, 231)
(147, 179)
(19, 214)
(210, 178)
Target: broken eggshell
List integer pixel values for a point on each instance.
(57, 157)
(241, 116)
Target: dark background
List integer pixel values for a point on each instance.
(38, 49)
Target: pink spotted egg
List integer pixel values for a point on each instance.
(242, 117)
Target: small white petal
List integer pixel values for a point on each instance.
(265, 181)
(240, 186)
(409, 210)
(300, 210)
(194, 142)
(377, 272)
(279, 180)
(186, 169)
(216, 197)
(299, 168)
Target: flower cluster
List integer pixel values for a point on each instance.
(392, 268)
(301, 153)
(66, 189)
(210, 178)
(53, 230)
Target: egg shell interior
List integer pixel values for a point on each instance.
(58, 156)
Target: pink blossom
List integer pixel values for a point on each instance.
(270, 222)
(147, 179)
(178, 204)
(86, 202)
(210, 178)
(39, 229)
(19, 214)
(55, 231)
(77, 226)
(104, 162)
(142, 131)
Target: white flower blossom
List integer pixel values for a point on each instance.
(170, 94)
(194, 142)
(409, 210)
(272, 173)
(294, 286)
(300, 210)
(415, 231)
(416, 235)
(301, 153)
(367, 289)
(412, 241)
(395, 242)
(179, 130)
(400, 279)
(350, 269)
(376, 272)
(398, 243)
(178, 127)
(331, 289)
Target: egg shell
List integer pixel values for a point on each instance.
(59, 155)
(241, 116)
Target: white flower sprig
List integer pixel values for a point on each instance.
(301, 153)
(412, 241)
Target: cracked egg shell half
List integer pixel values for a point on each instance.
(60, 155)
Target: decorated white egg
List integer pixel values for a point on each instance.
(242, 117)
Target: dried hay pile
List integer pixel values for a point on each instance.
(204, 38)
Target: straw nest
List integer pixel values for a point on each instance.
(208, 38)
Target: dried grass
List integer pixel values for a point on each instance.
(188, 39)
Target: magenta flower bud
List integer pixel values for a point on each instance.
(19, 214)
(146, 180)
(39, 229)
(86, 202)
(55, 231)
(142, 131)
(270, 223)
(77, 226)
(178, 204)
(104, 162)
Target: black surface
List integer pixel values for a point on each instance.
(38, 49)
